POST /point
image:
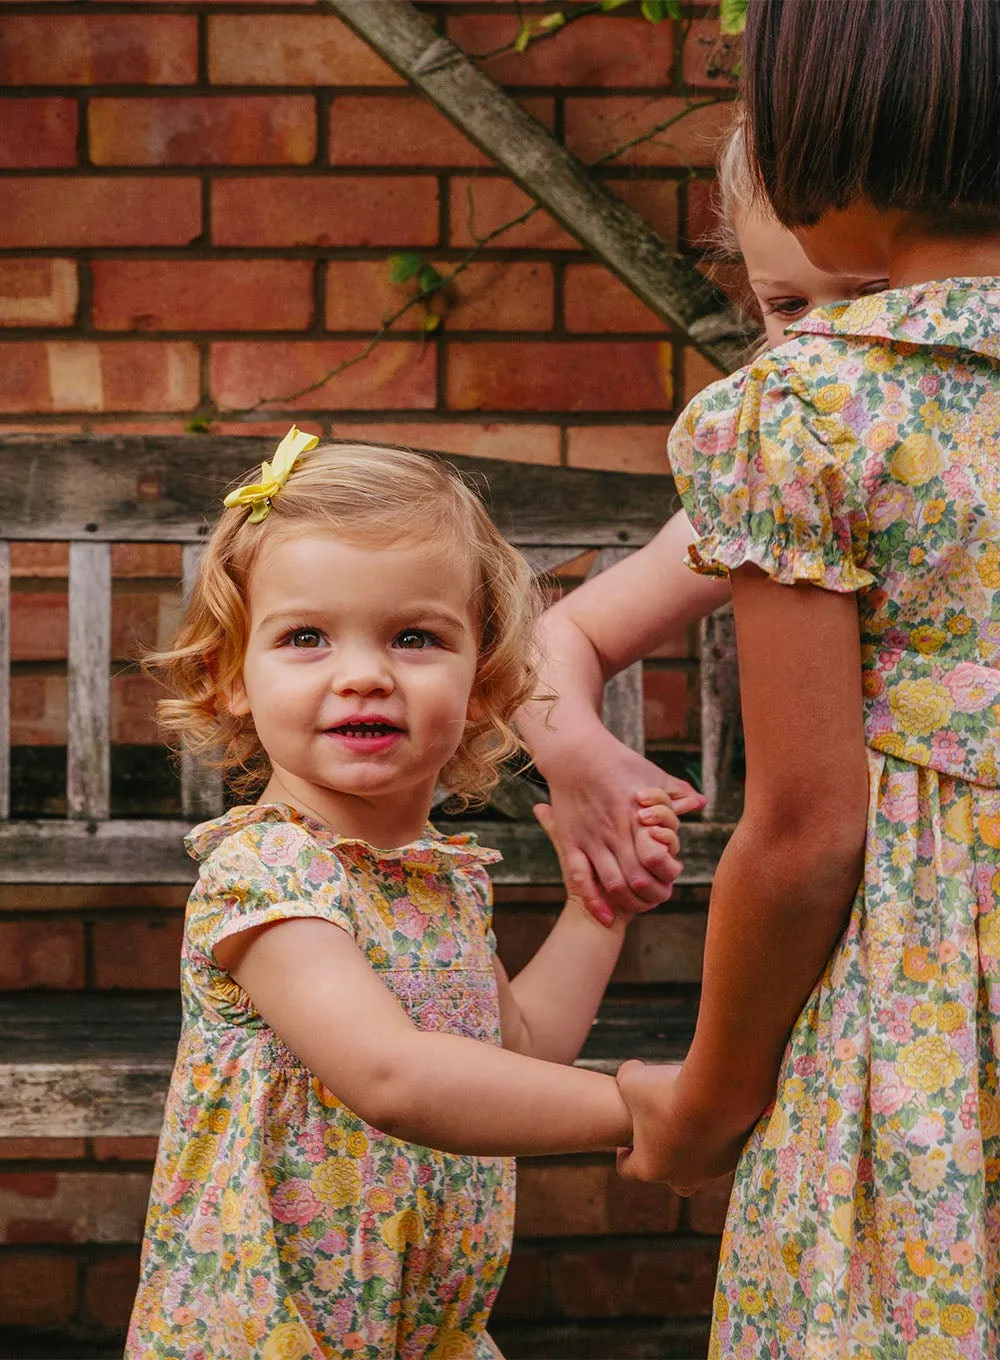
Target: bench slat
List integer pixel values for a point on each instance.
(4, 680)
(720, 716)
(201, 786)
(88, 759)
(622, 710)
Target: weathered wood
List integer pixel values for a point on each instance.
(555, 178)
(622, 710)
(201, 786)
(149, 852)
(98, 1065)
(544, 560)
(88, 740)
(166, 488)
(4, 680)
(721, 727)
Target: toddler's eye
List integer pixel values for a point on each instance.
(787, 306)
(415, 639)
(306, 638)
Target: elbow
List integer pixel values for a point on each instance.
(816, 844)
(384, 1099)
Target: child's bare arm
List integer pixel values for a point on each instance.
(315, 989)
(548, 1009)
(591, 635)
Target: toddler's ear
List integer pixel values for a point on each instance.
(236, 701)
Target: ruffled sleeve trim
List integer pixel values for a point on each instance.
(714, 555)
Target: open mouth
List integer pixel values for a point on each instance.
(366, 729)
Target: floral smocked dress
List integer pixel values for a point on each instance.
(281, 1226)
(864, 455)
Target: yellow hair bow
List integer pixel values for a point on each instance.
(273, 475)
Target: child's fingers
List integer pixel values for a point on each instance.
(627, 885)
(660, 814)
(681, 797)
(575, 869)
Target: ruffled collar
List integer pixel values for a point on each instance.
(960, 314)
(432, 853)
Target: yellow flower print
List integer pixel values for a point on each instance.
(934, 510)
(927, 639)
(917, 1258)
(403, 1229)
(958, 820)
(917, 460)
(777, 1128)
(882, 435)
(932, 1348)
(951, 1016)
(287, 1341)
(840, 1180)
(721, 1306)
(920, 706)
(989, 828)
(324, 1095)
(924, 1015)
(197, 1158)
(824, 1313)
(454, 1346)
(989, 1114)
(751, 1300)
(842, 1223)
(918, 964)
(957, 1319)
(337, 1182)
(357, 1143)
(791, 1254)
(928, 1169)
(832, 397)
(959, 624)
(329, 1275)
(380, 1198)
(925, 1312)
(878, 360)
(377, 955)
(929, 1064)
(988, 566)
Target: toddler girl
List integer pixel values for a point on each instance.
(333, 1175)
(596, 784)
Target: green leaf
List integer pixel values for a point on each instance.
(428, 278)
(732, 16)
(608, 5)
(404, 267)
(522, 39)
(554, 20)
(674, 8)
(655, 10)
(431, 322)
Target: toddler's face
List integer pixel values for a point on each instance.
(358, 675)
(784, 282)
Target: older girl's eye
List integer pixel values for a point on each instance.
(306, 638)
(787, 306)
(415, 639)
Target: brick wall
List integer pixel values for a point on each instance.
(199, 202)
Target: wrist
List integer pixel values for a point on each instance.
(709, 1089)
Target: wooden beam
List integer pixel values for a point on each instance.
(555, 178)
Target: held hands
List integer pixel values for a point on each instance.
(677, 1138)
(615, 815)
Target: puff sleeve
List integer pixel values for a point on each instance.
(770, 475)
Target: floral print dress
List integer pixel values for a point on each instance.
(864, 456)
(282, 1226)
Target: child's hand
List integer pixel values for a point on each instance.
(674, 1139)
(614, 860)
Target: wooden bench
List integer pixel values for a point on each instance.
(74, 1064)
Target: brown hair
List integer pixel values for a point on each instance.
(895, 101)
(364, 493)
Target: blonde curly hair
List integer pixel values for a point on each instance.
(366, 494)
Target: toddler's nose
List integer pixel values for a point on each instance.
(362, 670)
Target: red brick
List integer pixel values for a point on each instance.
(97, 49)
(109, 1291)
(133, 703)
(655, 200)
(38, 710)
(611, 1281)
(710, 56)
(597, 124)
(41, 954)
(135, 624)
(212, 130)
(114, 375)
(701, 230)
(125, 1149)
(485, 296)
(37, 1149)
(706, 1210)
(37, 1290)
(512, 443)
(137, 954)
(38, 626)
(592, 51)
(291, 50)
(635, 1207)
(202, 295)
(397, 375)
(525, 1290)
(595, 300)
(668, 695)
(698, 373)
(37, 292)
(326, 211)
(145, 559)
(580, 376)
(38, 132)
(72, 1206)
(619, 448)
(396, 129)
(664, 946)
(96, 210)
(563, 1199)
(480, 205)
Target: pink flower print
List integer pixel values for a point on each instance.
(408, 920)
(342, 1314)
(930, 385)
(946, 748)
(312, 1141)
(970, 1109)
(425, 1174)
(294, 1202)
(332, 1243)
(714, 434)
(905, 1321)
(888, 1094)
(280, 844)
(787, 1160)
(900, 803)
(972, 688)
(447, 949)
(805, 1065)
(928, 1130)
(323, 869)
